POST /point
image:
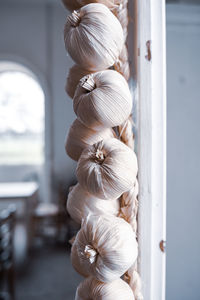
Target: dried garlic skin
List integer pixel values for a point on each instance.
(93, 37)
(102, 100)
(105, 248)
(111, 177)
(80, 204)
(80, 137)
(93, 289)
(73, 77)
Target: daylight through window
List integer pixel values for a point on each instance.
(21, 118)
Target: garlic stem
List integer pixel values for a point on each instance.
(74, 18)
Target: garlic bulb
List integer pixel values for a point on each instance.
(92, 289)
(76, 4)
(93, 37)
(74, 75)
(102, 99)
(105, 248)
(107, 169)
(80, 137)
(80, 204)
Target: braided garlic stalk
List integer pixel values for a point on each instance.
(129, 209)
(107, 52)
(129, 200)
(122, 64)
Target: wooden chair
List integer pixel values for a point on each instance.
(7, 223)
(47, 216)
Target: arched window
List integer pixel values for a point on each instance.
(21, 116)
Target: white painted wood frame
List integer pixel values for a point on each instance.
(151, 78)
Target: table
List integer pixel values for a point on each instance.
(22, 191)
(17, 190)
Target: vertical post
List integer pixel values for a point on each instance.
(152, 146)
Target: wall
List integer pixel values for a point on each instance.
(183, 199)
(32, 34)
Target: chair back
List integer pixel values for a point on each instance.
(7, 221)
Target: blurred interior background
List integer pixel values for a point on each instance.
(35, 172)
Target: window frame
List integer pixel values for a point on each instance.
(31, 69)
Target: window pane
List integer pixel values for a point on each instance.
(21, 119)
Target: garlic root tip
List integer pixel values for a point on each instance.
(88, 83)
(90, 253)
(99, 155)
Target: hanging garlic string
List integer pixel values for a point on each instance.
(89, 56)
(128, 211)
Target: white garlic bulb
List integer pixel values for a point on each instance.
(103, 99)
(93, 37)
(76, 4)
(80, 204)
(80, 137)
(74, 75)
(107, 169)
(92, 289)
(105, 247)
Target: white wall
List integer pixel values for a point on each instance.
(32, 34)
(183, 199)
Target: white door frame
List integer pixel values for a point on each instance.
(151, 80)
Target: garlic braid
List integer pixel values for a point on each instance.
(129, 209)
(129, 200)
(122, 64)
